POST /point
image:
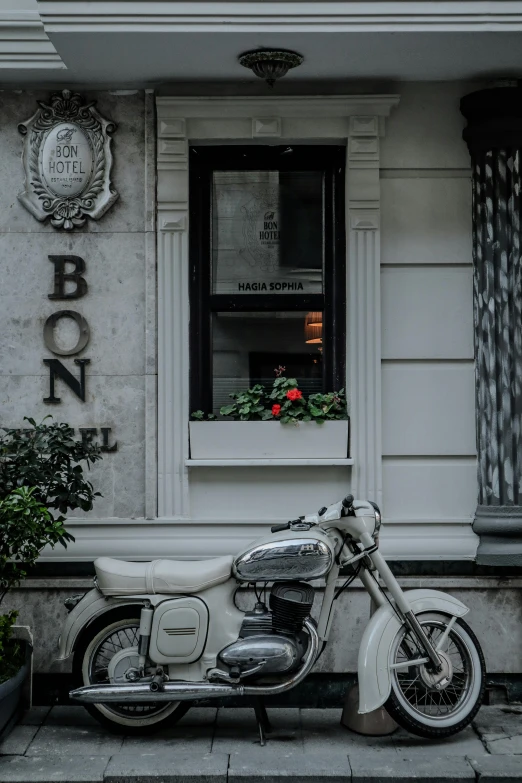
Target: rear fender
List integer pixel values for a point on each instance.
(374, 652)
(92, 605)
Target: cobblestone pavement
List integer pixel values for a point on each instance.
(64, 744)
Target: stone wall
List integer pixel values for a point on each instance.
(119, 253)
(495, 617)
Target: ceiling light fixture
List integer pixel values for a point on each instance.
(270, 64)
(313, 328)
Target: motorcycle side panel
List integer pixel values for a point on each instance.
(179, 630)
(374, 652)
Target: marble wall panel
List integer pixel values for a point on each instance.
(114, 305)
(127, 110)
(496, 612)
(119, 251)
(111, 401)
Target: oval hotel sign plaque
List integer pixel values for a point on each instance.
(67, 161)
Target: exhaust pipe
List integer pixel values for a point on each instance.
(187, 691)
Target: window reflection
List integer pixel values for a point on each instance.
(267, 232)
(247, 347)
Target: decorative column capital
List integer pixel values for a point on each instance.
(494, 118)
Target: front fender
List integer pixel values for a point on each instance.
(92, 605)
(374, 653)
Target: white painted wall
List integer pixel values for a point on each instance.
(429, 468)
(18, 6)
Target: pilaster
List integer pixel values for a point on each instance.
(364, 304)
(173, 316)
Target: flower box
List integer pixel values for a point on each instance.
(268, 440)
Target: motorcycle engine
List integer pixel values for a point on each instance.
(272, 641)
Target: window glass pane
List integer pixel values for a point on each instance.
(267, 232)
(248, 347)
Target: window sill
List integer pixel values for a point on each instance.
(268, 462)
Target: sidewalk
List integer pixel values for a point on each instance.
(64, 744)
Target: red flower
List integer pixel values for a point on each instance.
(276, 410)
(294, 394)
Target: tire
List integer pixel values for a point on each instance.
(120, 626)
(423, 710)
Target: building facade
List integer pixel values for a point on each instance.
(421, 269)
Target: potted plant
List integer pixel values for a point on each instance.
(279, 423)
(41, 479)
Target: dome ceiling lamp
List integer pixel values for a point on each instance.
(313, 329)
(270, 64)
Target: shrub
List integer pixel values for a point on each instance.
(41, 479)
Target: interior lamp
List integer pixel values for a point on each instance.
(314, 328)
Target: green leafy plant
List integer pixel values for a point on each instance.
(41, 479)
(202, 416)
(288, 403)
(323, 407)
(11, 650)
(284, 403)
(26, 527)
(248, 405)
(47, 457)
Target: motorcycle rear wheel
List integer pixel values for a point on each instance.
(99, 642)
(417, 706)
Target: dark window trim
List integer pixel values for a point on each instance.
(203, 160)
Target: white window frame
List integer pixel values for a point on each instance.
(359, 122)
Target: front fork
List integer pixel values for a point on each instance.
(401, 603)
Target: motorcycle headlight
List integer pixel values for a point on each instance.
(378, 523)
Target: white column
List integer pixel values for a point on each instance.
(173, 317)
(364, 304)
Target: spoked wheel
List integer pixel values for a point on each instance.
(437, 705)
(111, 640)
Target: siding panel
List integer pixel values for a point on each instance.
(426, 221)
(428, 409)
(427, 313)
(425, 131)
(429, 488)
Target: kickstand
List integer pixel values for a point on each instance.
(263, 724)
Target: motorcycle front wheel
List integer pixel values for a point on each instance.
(100, 642)
(415, 702)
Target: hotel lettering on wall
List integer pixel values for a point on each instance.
(70, 283)
(67, 161)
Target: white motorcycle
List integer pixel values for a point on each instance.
(152, 637)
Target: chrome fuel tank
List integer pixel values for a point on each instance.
(292, 555)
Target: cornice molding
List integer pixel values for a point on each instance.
(292, 15)
(24, 43)
(217, 107)
(426, 539)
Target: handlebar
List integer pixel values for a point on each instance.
(278, 528)
(347, 504)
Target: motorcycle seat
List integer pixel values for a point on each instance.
(118, 577)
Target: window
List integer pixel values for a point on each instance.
(267, 269)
